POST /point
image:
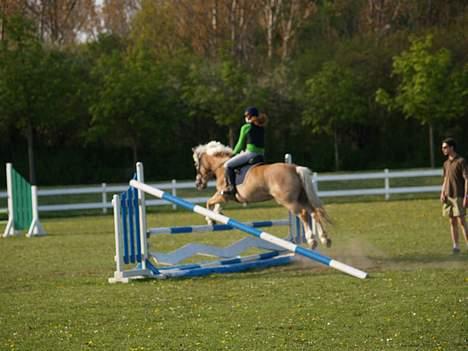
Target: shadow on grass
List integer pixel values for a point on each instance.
(304, 268)
(427, 258)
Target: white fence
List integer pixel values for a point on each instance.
(106, 191)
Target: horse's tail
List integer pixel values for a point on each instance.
(306, 178)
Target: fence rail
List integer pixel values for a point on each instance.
(106, 191)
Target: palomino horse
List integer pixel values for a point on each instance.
(290, 185)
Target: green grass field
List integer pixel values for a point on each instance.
(55, 295)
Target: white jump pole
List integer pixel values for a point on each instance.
(250, 230)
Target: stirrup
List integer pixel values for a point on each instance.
(230, 190)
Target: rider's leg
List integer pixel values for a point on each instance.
(229, 168)
(230, 176)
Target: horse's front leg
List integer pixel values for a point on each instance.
(214, 204)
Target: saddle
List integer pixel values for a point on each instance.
(242, 170)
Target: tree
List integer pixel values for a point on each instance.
(133, 104)
(61, 22)
(271, 11)
(154, 29)
(295, 13)
(33, 91)
(117, 16)
(333, 104)
(223, 91)
(284, 19)
(430, 88)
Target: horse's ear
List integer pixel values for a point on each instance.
(193, 149)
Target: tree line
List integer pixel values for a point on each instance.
(87, 88)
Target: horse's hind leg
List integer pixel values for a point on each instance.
(303, 213)
(310, 235)
(322, 234)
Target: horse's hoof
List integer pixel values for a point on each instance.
(312, 244)
(326, 241)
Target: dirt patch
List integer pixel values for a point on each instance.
(359, 254)
(365, 256)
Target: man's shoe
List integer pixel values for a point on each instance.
(455, 250)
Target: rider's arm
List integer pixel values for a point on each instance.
(242, 138)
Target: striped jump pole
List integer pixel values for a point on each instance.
(214, 227)
(313, 255)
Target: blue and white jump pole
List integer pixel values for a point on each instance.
(313, 255)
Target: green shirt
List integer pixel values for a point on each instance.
(244, 132)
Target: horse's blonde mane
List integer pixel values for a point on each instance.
(213, 148)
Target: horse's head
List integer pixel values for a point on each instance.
(203, 172)
(207, 161)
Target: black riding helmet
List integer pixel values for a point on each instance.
(252, 111)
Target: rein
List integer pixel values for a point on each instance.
(213, 171)
(219, 166)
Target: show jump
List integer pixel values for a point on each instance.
(146, 269)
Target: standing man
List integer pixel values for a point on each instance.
(454, 193)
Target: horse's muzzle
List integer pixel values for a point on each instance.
(201, 186)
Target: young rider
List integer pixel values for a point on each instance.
(250, 144)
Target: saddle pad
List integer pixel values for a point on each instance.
(243, 170)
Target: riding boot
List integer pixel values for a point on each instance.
(230, 176)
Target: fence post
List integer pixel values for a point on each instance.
(387, 184)
(104, 198)
(174, 192)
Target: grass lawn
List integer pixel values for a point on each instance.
(55, 295)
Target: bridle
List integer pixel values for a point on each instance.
(221, 164)
(209, 173)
